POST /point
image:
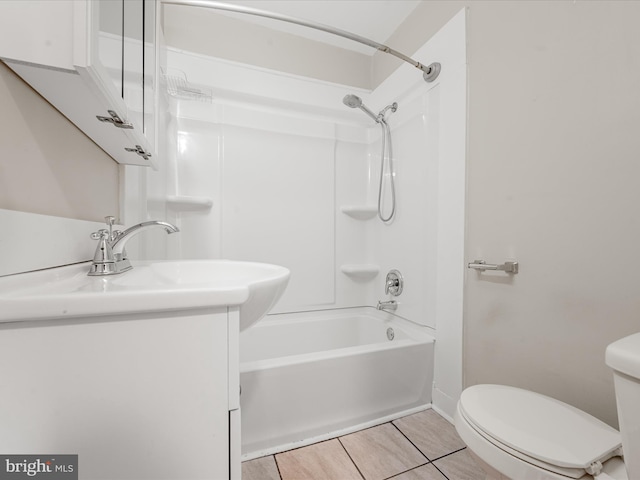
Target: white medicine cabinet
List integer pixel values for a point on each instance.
(95, 61)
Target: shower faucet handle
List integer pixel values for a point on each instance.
(391, 285)
(394, 283)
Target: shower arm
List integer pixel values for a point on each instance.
(430, 72)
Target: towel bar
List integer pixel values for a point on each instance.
(481, 265)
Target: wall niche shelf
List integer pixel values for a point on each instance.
(360, 212)
(360, 271)
(189, 203)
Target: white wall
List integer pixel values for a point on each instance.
(554, 125)
(552, 182)
(214, 34)
(279, 157)
(47, 164)
(55, 183)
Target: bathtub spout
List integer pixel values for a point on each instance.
(390, 305)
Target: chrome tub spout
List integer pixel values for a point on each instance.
(391, 305)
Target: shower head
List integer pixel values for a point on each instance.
(353, 101)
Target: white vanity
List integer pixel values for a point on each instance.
(137, 373)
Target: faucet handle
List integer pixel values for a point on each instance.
(394, 283)
(102, 233)
(110, 221)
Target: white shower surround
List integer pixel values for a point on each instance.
(253, 107)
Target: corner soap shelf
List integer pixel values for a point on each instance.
(189, 203)
(359, 212)
(360, 271)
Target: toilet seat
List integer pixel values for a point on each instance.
(538, 429)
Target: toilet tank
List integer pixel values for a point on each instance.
(623, 356)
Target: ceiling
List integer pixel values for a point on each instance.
(372, 19)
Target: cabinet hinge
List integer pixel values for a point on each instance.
(139, 151)
(115, 120)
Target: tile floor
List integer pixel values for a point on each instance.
(423, 446)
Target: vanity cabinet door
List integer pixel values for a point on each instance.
(135, 396)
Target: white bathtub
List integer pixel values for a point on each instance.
(310, 376)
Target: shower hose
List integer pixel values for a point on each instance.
(387, 151)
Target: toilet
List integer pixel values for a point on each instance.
(522, 435)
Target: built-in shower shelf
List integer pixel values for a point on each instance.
(189, 203)
(360, 271)
(359, 212)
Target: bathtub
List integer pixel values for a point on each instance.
(311, 376)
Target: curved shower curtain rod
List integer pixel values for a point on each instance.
(429, 73)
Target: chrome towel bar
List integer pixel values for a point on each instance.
(481, 265)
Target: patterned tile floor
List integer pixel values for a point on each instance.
(423, 446)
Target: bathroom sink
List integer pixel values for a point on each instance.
(67, 292)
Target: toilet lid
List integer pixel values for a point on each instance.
(539, 426)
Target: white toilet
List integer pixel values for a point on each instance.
(522, 435)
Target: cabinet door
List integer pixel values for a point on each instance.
(235, 445)
(149, 72)
(136, 397)
(115, 63)
(108, 41)
(133, 60)
(119, 54)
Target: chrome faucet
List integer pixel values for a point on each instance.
(393, 285)
(110, 257)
